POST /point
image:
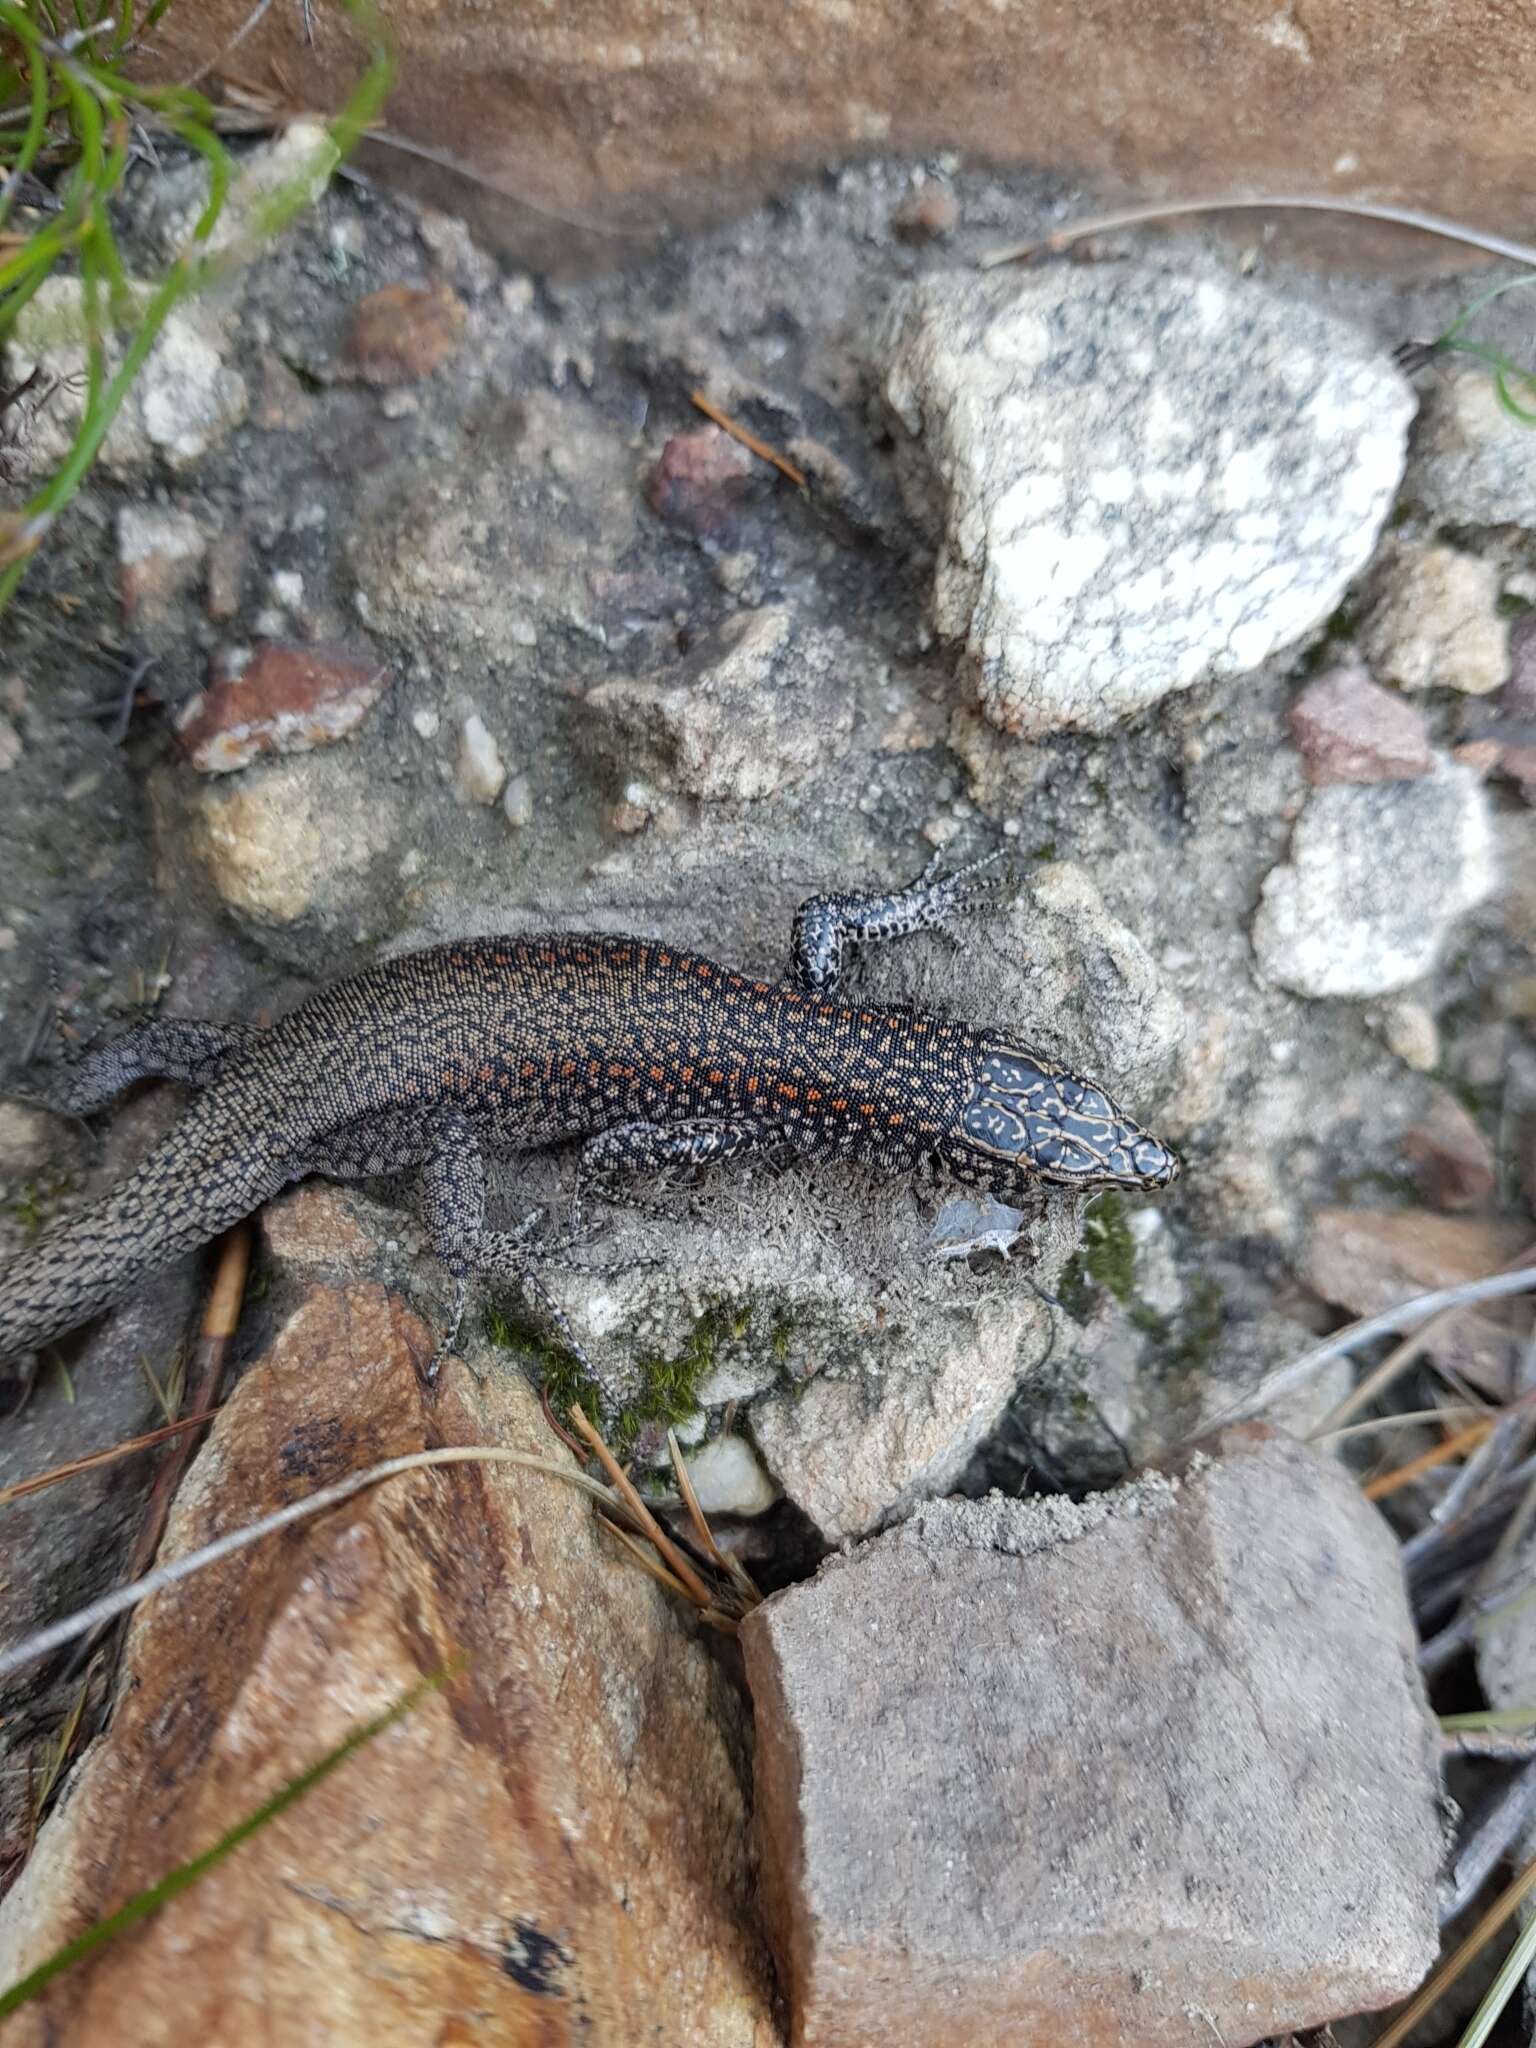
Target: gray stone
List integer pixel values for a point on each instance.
(1032, 1771)
(761, 703)
(1468, 459)
(1138, 477)
(1376, 878)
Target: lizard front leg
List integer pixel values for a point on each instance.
(828, 930)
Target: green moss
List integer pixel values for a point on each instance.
(1109, 1250)
(670, 1385)
(36, 1200)
(1338, 629)
(1106, 1260)
(1375, 1185)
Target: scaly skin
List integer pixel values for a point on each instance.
(653, 1058)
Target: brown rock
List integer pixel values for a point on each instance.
(1481, 756)
(698, 480)
(279, 846)
(1434, 622)
(930, 211)
(288, 700)
(598, 111)
(1451, 1159)
(1348, 729)
(550, 1847)
(403, 332)
(1367, 1260)
(1036, 1772)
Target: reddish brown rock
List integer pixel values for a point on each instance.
(1367, 1260)
(403, 333)
(1348, 729)
(1451, 1159)
(550, 1851)
(288, 700)
(698, 480)
(1032, 1772)
(929, 211)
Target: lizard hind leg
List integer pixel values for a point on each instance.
(164, 1049)
(452, 1195)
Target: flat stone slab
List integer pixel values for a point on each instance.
(1029, 1771)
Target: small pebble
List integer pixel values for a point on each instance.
(1409, 1031)
(480, 770)
(517, 802)
(425, 723)
(940, 831)
(10, 745)
(729, 1480)
(403, 332)
(287, 588)
(930, 211)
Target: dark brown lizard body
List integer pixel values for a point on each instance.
(652, 1057)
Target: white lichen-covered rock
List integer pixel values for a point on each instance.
(182, 403)
(1469, 460)
(1376, 877)
(1138, 477)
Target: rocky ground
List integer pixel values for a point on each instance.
(416, 598)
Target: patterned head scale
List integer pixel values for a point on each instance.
(1052, 1123)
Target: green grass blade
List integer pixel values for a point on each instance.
(1502, 1989)
(185, 1875)
(92, 98)
(37, 123)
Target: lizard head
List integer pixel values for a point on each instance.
(1048, 1123)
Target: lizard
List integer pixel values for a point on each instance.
(649, 1057)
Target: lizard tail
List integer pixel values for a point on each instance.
(96, 1257)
